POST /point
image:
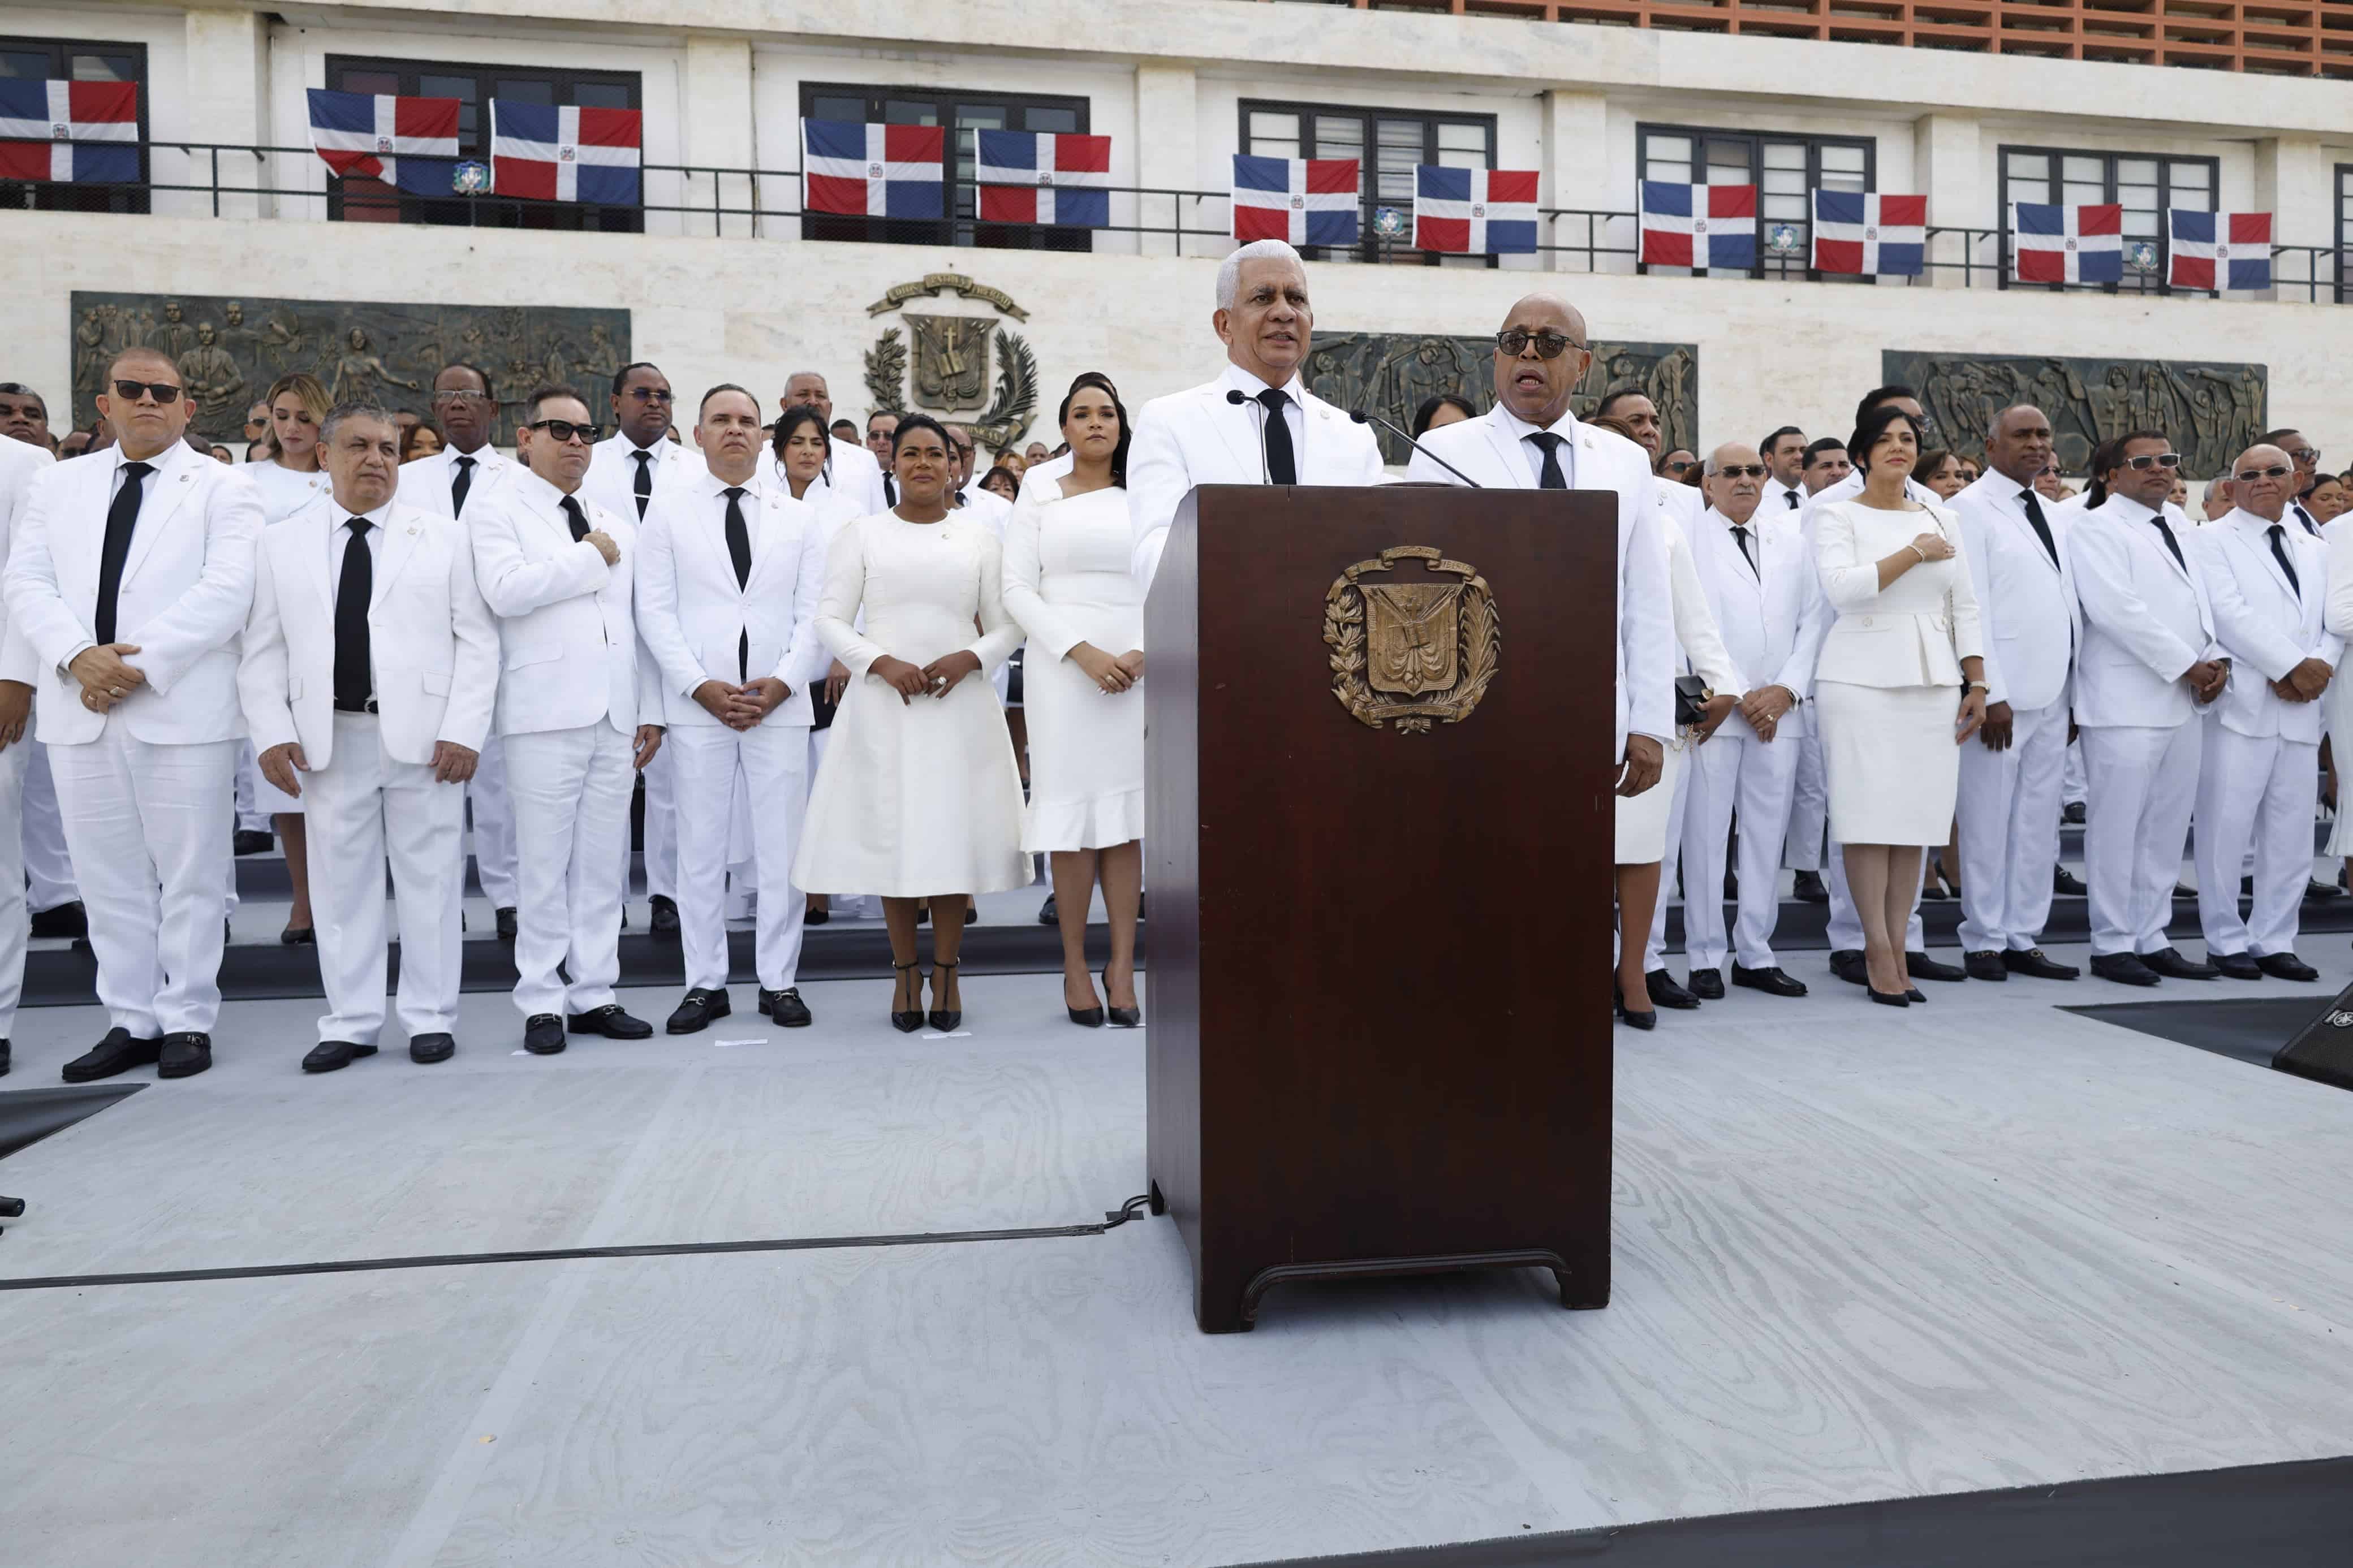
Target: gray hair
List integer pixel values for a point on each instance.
(343, 410)
(816, 375)
(1230, 270)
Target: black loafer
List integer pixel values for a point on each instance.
(543, 1033)
(612, 1022)
(2169, 961)
(298, 936)
(2286, 966)
(185, 1054)
(66, 919)
(334, 1055)
(665, 916)
(1847, 963)
(1707, 985)
(2074, 812)
(1807, 888)
(427, 1049)
(119, 1052)
(786, 1007)
(1920, 966)
(507, 923)
(1666, 993)
(1049, 913)
(249, 841)
(2066, 882)
(1771, 981)
(695, 1013)
(2318, 892)
(1985, 964)
(2034, 962)
(2236, 966)
(815, 917)
(2123, 968)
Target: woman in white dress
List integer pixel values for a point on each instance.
(1066, 582)
(919, 797)
(2337, 532)
(1900, 686)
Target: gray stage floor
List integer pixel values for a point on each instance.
(1859, 1255)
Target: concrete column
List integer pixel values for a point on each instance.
(1167, 158)
(2294, 182)
(715, 101)
(1576, 173)
(228, 88)
(1947, 167)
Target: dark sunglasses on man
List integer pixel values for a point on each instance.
(564, 430)
(2155, 460)
(1742, 471)
(1549, 345)
(2249, 475)
(161, 391)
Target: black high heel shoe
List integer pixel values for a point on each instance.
(1121, 1018)
(908, 1023)
(944, 1021)
(1648, 1020)
(1888, 998)
(1085, 1017)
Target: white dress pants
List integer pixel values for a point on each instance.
(2143, 785)
(1809, 805)
(16, 766)
(1756, 777)
(494, 826)
(148, 828)
(2254, 793)
(250, 816)
(360, 808)
(1845, 933)
(571, 794)
(1654, 944)
(48, 868)
(661, 830)
(2009, 810)
(769, 762)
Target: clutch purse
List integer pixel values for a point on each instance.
(1692, 697)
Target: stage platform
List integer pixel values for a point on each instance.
(1879, 1264)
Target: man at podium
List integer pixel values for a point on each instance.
(1255, 425)
(1530, 440)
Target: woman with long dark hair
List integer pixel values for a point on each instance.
(1067, 583)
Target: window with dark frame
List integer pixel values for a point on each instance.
(69, 59)
(1386, 144)
(962, 113)
(2343, 259)
(372, 201)
(1785, 169)
(2143, 187)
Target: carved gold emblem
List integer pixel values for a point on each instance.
(951, 360)
(1411, 652)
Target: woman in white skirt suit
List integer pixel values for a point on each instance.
(1066, 582)
(1900, 686)
(919, 797)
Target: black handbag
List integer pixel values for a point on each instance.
(1691, 702)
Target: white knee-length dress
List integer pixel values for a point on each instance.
(920, 797)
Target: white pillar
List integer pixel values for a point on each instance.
(2294, 182)
(227, 91)
(1576, 173)
(716, 132)
(1947, 165)
(1167, 158)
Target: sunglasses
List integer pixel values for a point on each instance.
(2248, 476)
(161, 391)
(564, 430)
(2155, 460)
(1742, 471)
(2310, 455)
(1549, 345)
(1679, 466)
(651, 394)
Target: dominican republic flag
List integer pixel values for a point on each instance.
(86, 131)
(410, 143)
(1475, 211)
(566, 154)
(1307, 201)
(873, 171)
(1026, 177)
(2218, 250)
(2066, 245)
(1699, 226)
(1872, 236)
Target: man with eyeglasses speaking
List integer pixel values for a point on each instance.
(130, 578)
(577, 713)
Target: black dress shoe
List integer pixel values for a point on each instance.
(665, 916)
(334, 1055)
(2123, 968)
(1049, 913)
(815, 917)
(1771, 981)
(543, 1033)
(1920, 966)
(786, 1007)
(2169, 962)
(1645, 1020)
(427, 1049)
(695, 1013)
(2179, 891)
(2286, 966)
(1889, 999)
(1666, 993)
(2034, 962)
(1847, 963)
(185, 1054)
(4, 1058)
(62, 920)
(1985, 964)
(612, 1022)
(2074, 812)
(2317, 892)
(1807, 888)
(2236, 966)
(249, 841)
(1934, 893)
(298, 936)
(2062, 881)
(1707, 985)
(507, 923)
(119, 1052)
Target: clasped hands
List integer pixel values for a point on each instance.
(105, 678)
(2304, 683)
(1764, 709)
(742, 707)
(452, 763)
(1112, 675)
(2207, 677)
(936, 678)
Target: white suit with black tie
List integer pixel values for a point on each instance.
(20, 464)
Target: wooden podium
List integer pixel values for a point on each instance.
(1377, 1040)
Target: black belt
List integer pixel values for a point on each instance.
(366, 707)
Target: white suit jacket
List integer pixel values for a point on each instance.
(692, 615)
(1197, 437)
(185, 588)
(1914, 632)
(1485, 449)
(2266, 626)
(1772, 619)
(425, 483)
(2147, 617)
(566, 618)
(432, 641)
(2026, 601)
(20, 464)
(613, 473)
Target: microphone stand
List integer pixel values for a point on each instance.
(1235, 397)
(1366, 417)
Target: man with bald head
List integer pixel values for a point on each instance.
(2268, 583)
(1256, 423)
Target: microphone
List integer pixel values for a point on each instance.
(1234, 395)
(1366, 417)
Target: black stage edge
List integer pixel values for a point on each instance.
(29, 1115)
(2257, 1516)
(2249, 1029)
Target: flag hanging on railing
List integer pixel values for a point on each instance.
(2218, 250)
(1307, 201)
(411, 142)
(873, 171)
(566, 154)
(1030, 177)
(1699, 226)
(81, 132)
(2051, 244)
(1868, 235)
(1474, 212)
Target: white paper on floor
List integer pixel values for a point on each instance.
(724, 1044)
(955, 1035)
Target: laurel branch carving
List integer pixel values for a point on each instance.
(886, 372)
(1479, 648)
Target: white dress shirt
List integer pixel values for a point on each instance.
(428, 482)
(1520, 430)
(1294, 411)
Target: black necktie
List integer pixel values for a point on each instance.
(1791, 497)
(642, 486)
(460, 485)
(122, 517)
(889, 490)
(2305, 518)
(1551, 478)
(1741, 533)
(739, 550)
(1282, 465)
(2279, 553)
(353, 680)
(2041, 527)
(579, 518)
(2164, 531)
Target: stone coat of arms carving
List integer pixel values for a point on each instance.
(951, 360)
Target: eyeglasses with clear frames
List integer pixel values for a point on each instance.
(2155, 459)
(2249, 475)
